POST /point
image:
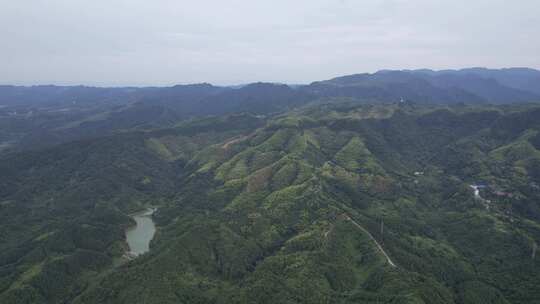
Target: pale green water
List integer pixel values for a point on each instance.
(139, 237)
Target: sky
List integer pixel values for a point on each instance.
(165, 42)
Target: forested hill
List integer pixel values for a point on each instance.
(43, 116)
(330, 202)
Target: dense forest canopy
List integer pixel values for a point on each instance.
(393, 187)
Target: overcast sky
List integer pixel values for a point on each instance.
(162, 42)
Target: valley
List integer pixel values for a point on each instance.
(265, 193)
(249, 207)
(270, 152)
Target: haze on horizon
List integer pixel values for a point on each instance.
(112, 43)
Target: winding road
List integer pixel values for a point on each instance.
(373, 239)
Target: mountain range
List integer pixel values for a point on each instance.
(393, 187)
(423, 86)
(40, 116)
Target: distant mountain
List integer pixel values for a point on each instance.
(525, 79)
(497, 86)
(474, 85)
(256, 98)
(185, 100)
(206, 99)
(391, 86)
(50, 95)
(428, 86)
(38, 116)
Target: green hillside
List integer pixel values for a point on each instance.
(333, 203)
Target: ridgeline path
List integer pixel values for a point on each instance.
(373, 239)
(236, 140)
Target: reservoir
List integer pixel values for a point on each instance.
(139, 236)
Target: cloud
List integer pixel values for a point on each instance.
(120, 42)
